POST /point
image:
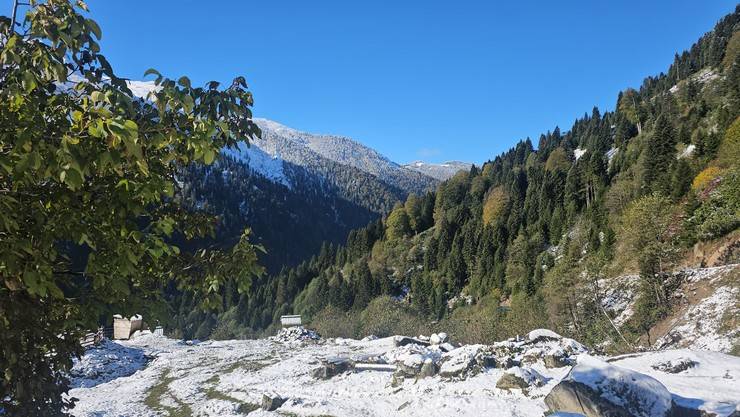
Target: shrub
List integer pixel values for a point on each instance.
(332, 321)
(719, 214)
(385, 316)
(704, 177)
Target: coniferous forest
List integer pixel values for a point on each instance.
(522, 241)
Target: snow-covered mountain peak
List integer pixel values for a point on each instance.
(309, 150)
(441, 171)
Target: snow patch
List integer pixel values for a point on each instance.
(578, 153)
(271, 167)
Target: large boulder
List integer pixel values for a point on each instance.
(597, 389)
(272, 402)
(461, 362)
(332, 367)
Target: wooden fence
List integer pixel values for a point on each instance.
(92, 338)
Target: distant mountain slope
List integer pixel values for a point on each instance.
(311, 150)
(296, 190)
(290, 210)
(441, 171)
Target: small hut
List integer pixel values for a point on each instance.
(123, 327)
(290, 321)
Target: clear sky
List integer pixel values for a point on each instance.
(432, 80)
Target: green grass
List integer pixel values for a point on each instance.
(212, 393)
(153, 399)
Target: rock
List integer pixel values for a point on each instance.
(507, 362)
(447, 347)
(675, 366)
(539, 335)
(485, 358)
(460, 362)
(428, 369)
(434, 339)
(404, 340)
(369, 338)
(442, 337)
(295, 334)
(272, 402)
(510, 381)
(332, 367)
(555, 361)
(597, 389)
(529, 359)
(575, 397)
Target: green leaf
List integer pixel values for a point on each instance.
(184, 81)
(208, 156)
(152, 71)
(29, 81)
(94, 28)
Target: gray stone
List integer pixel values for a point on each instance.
(427, 369)
(403, 341)
(555, 361)
(331, 367)
(575, 397)
(675, 367)
(272, 402)
(511, 381)
(447, 347)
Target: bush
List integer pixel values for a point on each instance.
(478, 323)
(332, 321)
(719, 214)
(385, 316)
(704, 177)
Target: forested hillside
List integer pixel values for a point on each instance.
(291, 195)
(521, 241)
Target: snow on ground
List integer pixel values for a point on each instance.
(704, 325)
(711, 382)
(701, 326)
(106, 362)
(578, 153)
(619, 296)
(217, 378)
(229, 378)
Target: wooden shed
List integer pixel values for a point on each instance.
(123, 327)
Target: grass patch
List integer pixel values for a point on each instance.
(153, 399)
(212, 393)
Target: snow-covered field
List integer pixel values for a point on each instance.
(154, 375)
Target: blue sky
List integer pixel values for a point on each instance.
(432, 80)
